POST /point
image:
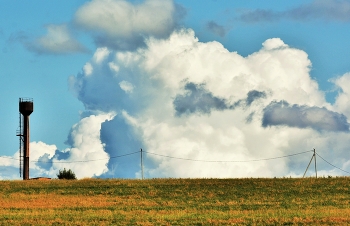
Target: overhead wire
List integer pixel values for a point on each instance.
(91, 160)
(332, 164)
(166, 156)
(187, 159)
(253, 160)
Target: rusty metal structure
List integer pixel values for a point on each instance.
(26, 107)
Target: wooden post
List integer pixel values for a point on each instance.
(315, 162)
(141, 165)
(313, 156)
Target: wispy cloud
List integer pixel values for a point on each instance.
(58, 40)
(19, 36)
(215, 28)
(337, 10)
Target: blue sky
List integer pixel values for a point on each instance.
(62, 54)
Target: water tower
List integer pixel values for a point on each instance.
(25, 109)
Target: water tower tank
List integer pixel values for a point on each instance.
(26, 107)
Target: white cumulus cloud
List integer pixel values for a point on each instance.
(86, 148)
(123, 24)
(343, 98)
(126, 86)
(224, 96)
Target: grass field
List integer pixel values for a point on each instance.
(285, 201)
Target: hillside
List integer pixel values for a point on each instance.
(176, 201)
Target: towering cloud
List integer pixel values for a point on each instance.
(86, 157)
(182, 98)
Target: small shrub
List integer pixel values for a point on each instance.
(66, 174)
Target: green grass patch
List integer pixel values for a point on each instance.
(287, 201)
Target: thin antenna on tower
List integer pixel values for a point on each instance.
(141, 165)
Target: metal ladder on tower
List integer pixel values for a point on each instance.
(20, 135)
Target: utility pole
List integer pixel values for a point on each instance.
(315, 162)
(141, 165)
(313, 156)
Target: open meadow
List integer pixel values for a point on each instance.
(286, 201)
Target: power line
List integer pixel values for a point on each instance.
(254, 160)
(187, 159)
(118, 156)
(332, 164)
(166, 156)
(92, 160)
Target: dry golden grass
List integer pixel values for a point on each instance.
(325, 201)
